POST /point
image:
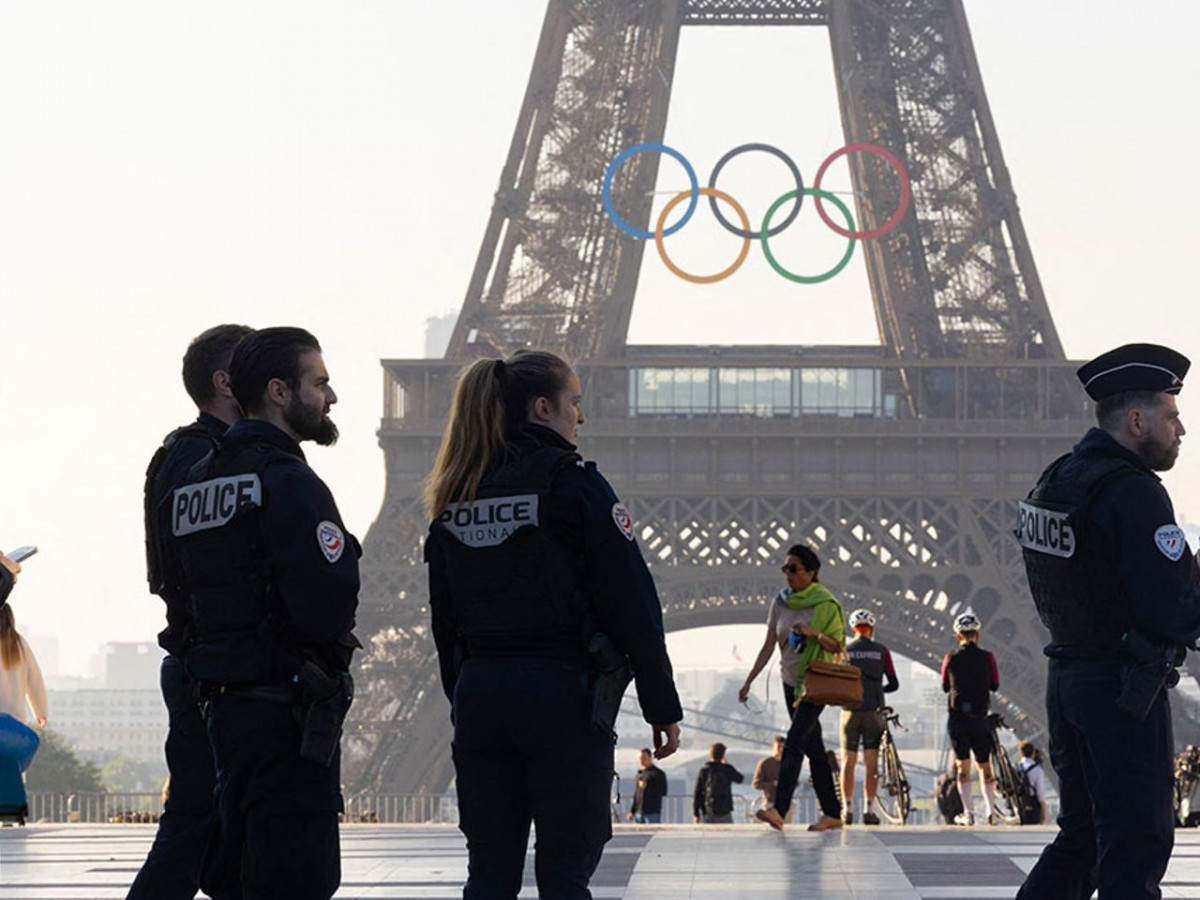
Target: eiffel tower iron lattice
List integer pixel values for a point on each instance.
(898, 463)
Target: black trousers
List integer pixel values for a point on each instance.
(1116, 789)
(172, 868)
(804, 739)
(277, 812)
(525, 751)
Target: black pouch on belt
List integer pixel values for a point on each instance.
(327, 700)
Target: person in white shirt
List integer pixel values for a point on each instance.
(1033, 770)
(22, 691)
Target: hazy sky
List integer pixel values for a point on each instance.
(167, 166)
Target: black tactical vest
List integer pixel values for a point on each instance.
(516, 588)
(869, 657)
(162, 573)
(1076, 591)
(216, 524)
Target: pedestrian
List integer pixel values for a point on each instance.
(9, 570)
(273, 580)
(646, 808)
(969, 677)
(766, 773)
(172, 867)
(23, 708)
(712, 799)
(864, 724)
(540, 600)
(819, 634)
(1116, 585)
(1031, 764)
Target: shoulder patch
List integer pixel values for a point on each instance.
(623, 520)
(331, 540)
(1170, 541)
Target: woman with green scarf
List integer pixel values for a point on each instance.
(819, 630)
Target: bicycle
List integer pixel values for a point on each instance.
(898, 803)
(1002, 768)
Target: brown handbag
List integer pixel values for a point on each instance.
(833, 684)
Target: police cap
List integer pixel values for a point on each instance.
(1134, 367)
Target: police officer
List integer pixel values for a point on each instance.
(864, 724)
(1116, 585)
(172, 868)
(272, 576)
(532, 560)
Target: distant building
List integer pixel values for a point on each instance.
(438, 331)
(132, 666)
(101, 724)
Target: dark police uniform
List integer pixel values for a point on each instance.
(969, 676)
(172, 868)
(863, 724)
(273, 580)
(518, 581)
(1107, 564)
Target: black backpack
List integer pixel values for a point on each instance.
(949, 800)
(718, 791)
(1028, 808)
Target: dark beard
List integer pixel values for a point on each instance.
(310, 424)
(1159, 459)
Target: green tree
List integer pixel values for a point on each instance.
(57, 768)
(129, 775)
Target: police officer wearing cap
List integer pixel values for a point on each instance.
(272, 578)
(539, 598)
(172, 868)
(1117, 587)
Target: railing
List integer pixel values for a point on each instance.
(419, 809)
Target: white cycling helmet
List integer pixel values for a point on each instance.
(966, 622)
(861, 617)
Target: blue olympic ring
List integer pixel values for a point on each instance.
(611, 172)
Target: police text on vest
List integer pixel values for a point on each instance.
(486, 523)
(1044, 530)
(211, 504)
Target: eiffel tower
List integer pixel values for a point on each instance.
(899, 463)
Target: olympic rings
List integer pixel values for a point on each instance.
(817, 194)
(901, 209)
(713, 195)
(766, 232)
(787, 161)
(609, 173)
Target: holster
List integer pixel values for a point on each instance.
(327, 700)
(610, 677)
(1152, 668)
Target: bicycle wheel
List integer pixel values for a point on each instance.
(903, 792)
(893, 790)
(1006, 782)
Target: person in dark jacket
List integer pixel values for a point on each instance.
(272, 578)
(172, 868)
(539, 600)
(646, 808)
(864, 725)
(1118, 588)
(712, 800)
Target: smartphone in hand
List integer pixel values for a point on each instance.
(21, 553)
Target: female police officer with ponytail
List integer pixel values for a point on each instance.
(531, 555)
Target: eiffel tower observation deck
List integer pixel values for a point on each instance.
(900, 463)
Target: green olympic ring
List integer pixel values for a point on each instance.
(766, 225)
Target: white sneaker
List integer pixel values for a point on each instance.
(965, 818)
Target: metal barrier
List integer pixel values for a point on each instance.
(139, 808)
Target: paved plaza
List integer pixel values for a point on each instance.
(46, 862)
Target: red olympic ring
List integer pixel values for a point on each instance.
(901, 209)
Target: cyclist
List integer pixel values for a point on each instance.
(969, 674)
(864, 724)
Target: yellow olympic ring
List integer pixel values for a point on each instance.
(662, 223)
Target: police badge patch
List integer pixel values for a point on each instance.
(331, 539)
(1170, 540)
(623, 519)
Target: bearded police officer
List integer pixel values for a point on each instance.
(172, 868)
(533, 564)
(272, 576)
(1116, 585)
